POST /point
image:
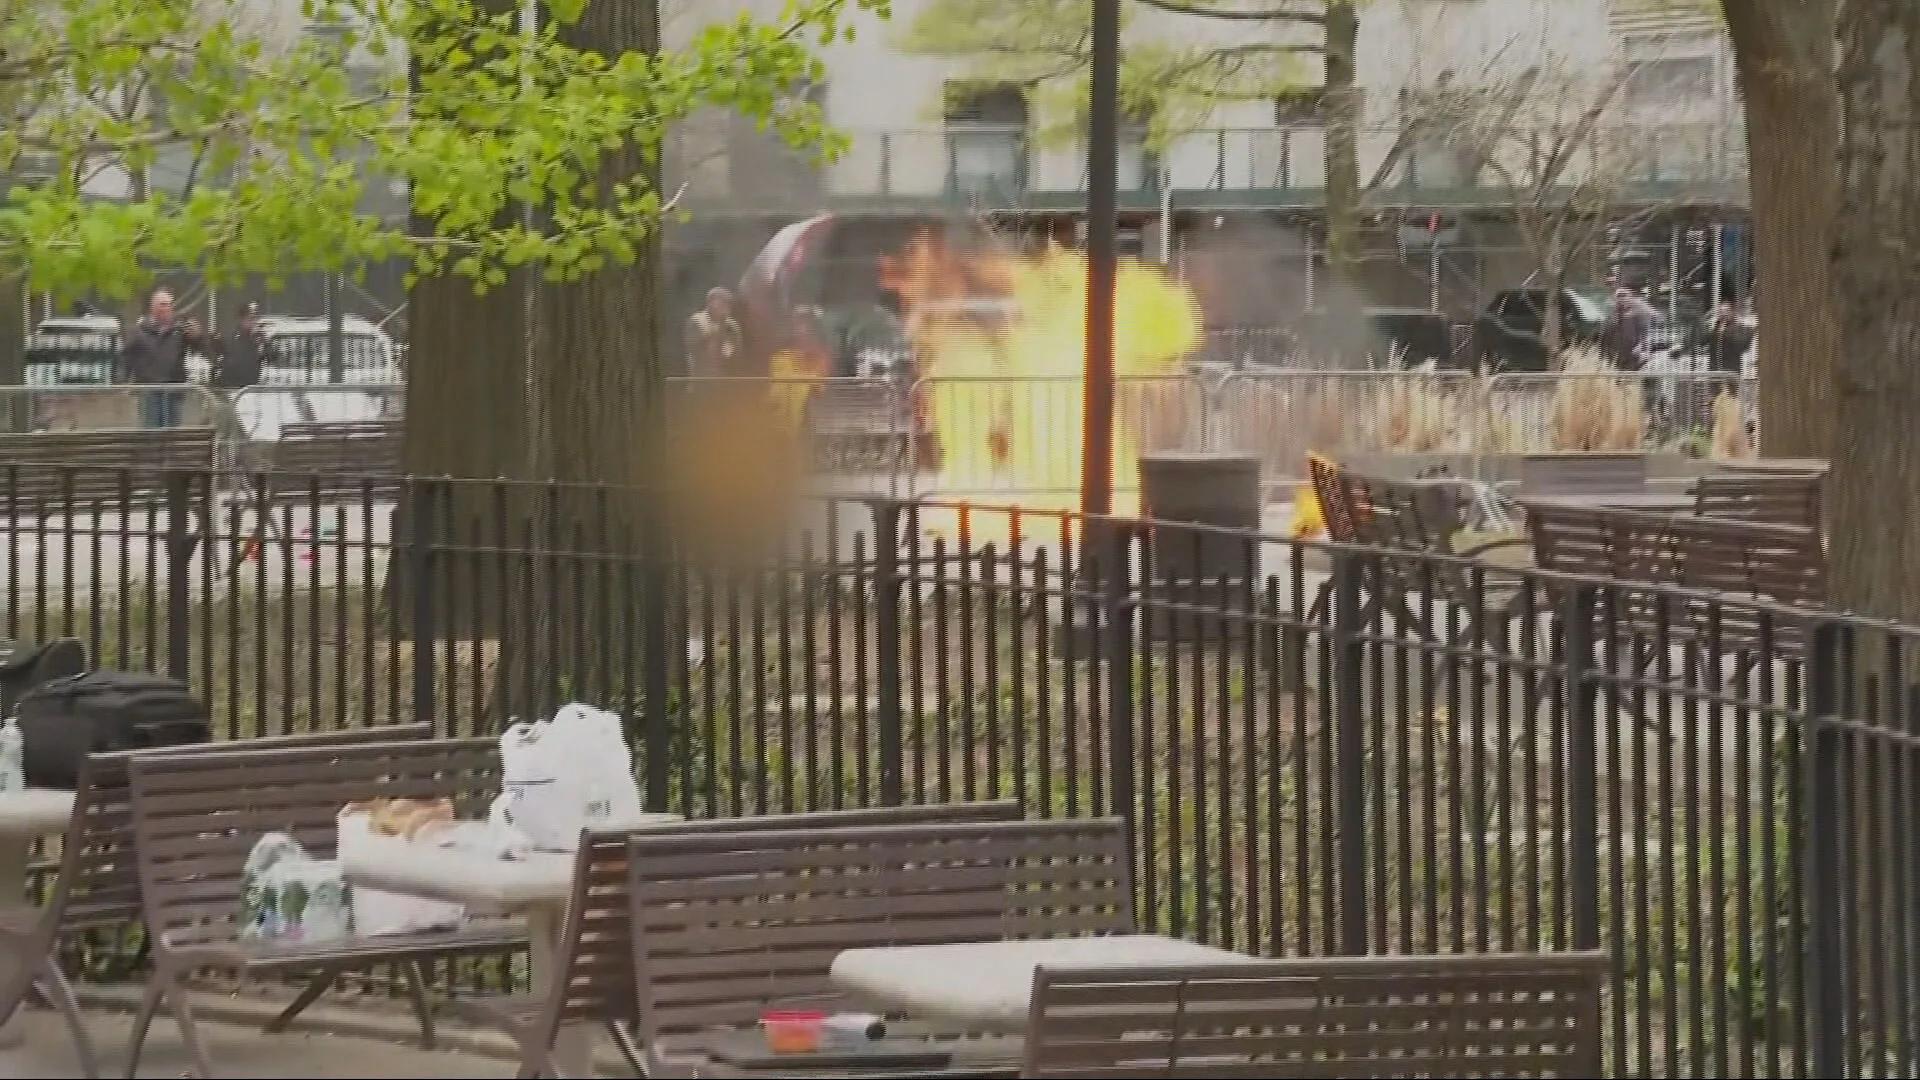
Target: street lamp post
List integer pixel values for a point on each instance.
(1103, 166)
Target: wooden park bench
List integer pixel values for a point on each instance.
(343, 456)
(316, 464)
(593, 981)
(98, 887)
(1411, 522)
(1735, 572)
(68, 472)
(196, 818)
(1353, 1017)
(728, 926)
(1783, 498)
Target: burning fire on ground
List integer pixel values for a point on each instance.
(1006, 334)
(1003, 335)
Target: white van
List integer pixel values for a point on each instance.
(296, 351)
(295, 376)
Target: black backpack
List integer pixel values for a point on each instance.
(30, 665)
(63, 721)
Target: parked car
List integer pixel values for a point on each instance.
(1408, 337)
(295, 351)
(80, 351)
(1510, 334)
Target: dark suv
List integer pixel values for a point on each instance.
(1510, 334)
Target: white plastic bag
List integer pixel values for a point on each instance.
(561, 775)
(287, 895)
(376, 912)
(598, 741)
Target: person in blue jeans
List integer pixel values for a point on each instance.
(154, 353)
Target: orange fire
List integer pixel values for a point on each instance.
(1006, 336)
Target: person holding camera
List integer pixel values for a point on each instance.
(155, 354)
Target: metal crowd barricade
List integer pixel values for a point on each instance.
(260, 415)
(1535, 412)
(1281, 416)
(963, 437)
(854, 434)
(53, 406)
(1022, 434)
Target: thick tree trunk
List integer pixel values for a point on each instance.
(1783, 53)
(596, 406)
(1875, 502)
(465, 417)
(1344, 106)
(1876, 467)
(16, 410)
(466, 380)
(599, 376)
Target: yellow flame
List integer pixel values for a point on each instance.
(1009, 424)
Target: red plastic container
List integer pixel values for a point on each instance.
(793, 1032)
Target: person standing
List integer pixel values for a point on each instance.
(1628, 327)
(1723, 342)
(239, 363)
(714, 340)
(155, 354)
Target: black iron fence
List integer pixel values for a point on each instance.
(1321, 750)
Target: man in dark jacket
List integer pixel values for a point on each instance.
(1628, 327)
(239, 364)
(1724, 341)
(155, 354)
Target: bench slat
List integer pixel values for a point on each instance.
(1382, 1016)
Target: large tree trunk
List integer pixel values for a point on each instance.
(1876, 468)
(466, 380)
(1344, 106)
(599, 378)
(1875, 547)
(16, 410)
(465, 417)
(1783, 53)
(595, 402)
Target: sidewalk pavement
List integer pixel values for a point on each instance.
(236, 1051)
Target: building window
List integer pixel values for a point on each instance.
(1436, 141)
(760, 166)
(1670, 82)
(986, 138)
(1304, 107)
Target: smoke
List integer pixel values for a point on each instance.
(1268, 296)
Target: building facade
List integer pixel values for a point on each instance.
(1470, 109)
(917, 145)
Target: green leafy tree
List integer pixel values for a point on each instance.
(286, 145)
(529, 156)
(1171, 81)
(526, 151)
